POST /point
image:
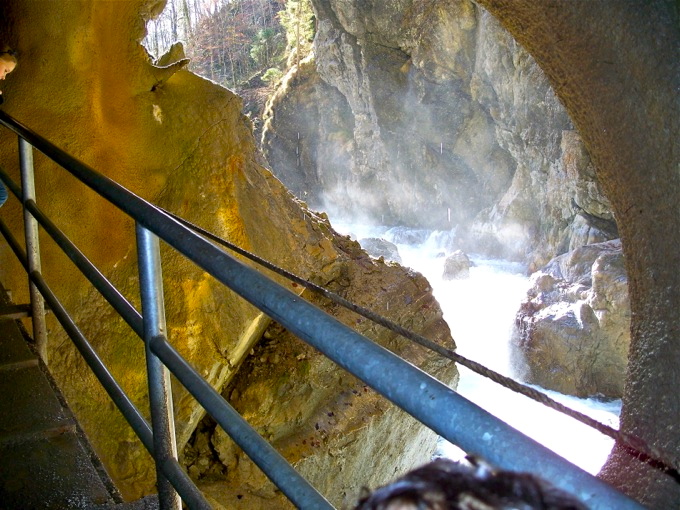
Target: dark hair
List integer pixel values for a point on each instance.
(447, 485)
(11, 53)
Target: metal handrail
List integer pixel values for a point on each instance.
(428, 400)
(139, 425)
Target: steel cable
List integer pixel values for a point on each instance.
(633, 444)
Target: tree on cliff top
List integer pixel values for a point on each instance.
(298, 20)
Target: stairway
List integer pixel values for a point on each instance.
(45, 460)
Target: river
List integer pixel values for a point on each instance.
(480, 311)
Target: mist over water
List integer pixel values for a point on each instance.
(480, 311)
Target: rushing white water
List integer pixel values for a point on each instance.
(480, 311)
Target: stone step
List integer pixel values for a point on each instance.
(45, 462)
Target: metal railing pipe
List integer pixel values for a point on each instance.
(158, 376)
(86, 267)
(32, 248)
(447, 413)
(271, 462)
(171, 468)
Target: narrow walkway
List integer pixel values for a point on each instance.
(45, 463)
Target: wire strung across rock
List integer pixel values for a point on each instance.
(633, 444)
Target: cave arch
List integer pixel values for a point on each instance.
(614, 66)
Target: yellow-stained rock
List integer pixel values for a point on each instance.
(179, 141)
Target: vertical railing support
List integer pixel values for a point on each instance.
(160, 395)
(31, 231)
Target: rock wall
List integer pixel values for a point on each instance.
(429, 114)
(182, 142)
(340, 434)
(614, 66)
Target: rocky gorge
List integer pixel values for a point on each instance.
(518, 178)
(437, 114)
(429, 114)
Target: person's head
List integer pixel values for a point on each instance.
(8, 61)
(447, 485)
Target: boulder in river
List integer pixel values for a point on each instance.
(457, 266)
(573, 329)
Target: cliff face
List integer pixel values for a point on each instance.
(179, 141)
(430, 114)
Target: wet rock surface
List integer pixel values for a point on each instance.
(457, 266)
(377, 248)
(573, 329)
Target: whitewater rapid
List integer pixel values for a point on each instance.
(480, 311)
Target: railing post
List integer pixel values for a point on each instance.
(32, 247)
(160, 395)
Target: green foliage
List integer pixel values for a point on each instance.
(299, 23)
(267, 46)
(271, 75)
